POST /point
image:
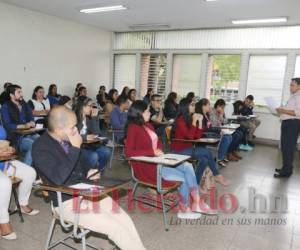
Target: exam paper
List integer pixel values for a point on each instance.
(272, 104)
(84, 186)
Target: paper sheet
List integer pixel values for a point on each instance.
(84, 186)
(272, 104)
(166, 159)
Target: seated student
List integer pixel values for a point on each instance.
(82, 91)
(19, 170)
(157, 115)
(66, 101)
(141, 140)
(39, 105)
(118, 117)
(191, 96)
(253, 123)
(52, 95)
(76, 94)
(88, 127)
(4, 97)
(125, 91)
(102, 96)
(203, 107)
(16, 114)
(147, 97)
(56, 155)
(171, 106)
(131, 96)
(217, 118)
(110, 104)
(188, 125)
(237, 107)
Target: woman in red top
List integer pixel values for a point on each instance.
(141, 140)
(188, 125)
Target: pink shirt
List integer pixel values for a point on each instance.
(292, 104)
(153, 136)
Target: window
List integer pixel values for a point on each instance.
(124, 71)
(297, 69)
(223, 77)
(153, 73)
(266, 77)
(186, 74)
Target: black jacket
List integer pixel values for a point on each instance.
(92, 124)
(170, 110)
(55, 166)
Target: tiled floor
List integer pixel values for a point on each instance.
(241, 232)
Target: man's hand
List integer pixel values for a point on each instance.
(280, 110)
(74, 137)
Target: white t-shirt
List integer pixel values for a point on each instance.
(39, 106)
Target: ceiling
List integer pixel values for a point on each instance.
(179, 14)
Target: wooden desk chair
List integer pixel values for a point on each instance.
(162, 189)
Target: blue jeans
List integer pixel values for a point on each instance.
(98, 157)
(223, 147)
(205, 158)
(186, 175)
(25, 147)
(237, 138)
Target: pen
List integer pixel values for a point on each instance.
(172, 159)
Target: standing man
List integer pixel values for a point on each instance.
(290, 129)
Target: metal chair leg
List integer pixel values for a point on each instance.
(83, 242)
(164, 212)
(17, 203)
(112, 151)
(51, 229)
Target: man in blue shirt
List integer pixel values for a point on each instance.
(16, 114)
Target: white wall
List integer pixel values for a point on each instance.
(38, 49)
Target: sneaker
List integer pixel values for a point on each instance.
(189, 215)
(245, 147)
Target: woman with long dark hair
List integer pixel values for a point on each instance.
(188, 125)
(40, 105)
(218, 118)
(171, 106)
(52, 95)
(203, 107)
(147, 97)
(131, 96)
(88, 127)
(141, 140)
(125, 91)
(102, 96)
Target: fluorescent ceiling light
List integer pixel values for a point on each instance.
(149, 26)
(258, 21)
(103, 9)
(210, 0)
